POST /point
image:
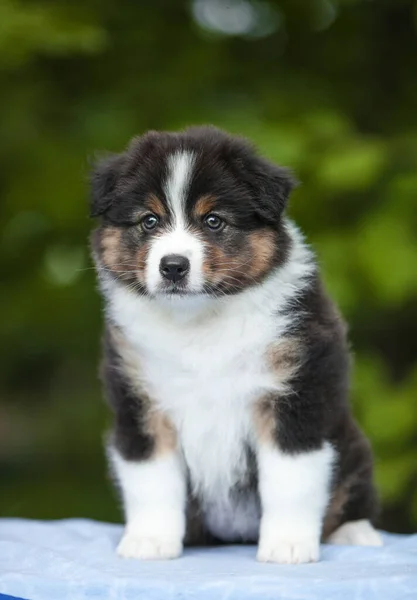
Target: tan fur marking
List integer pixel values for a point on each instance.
(221, 267)
(155, 423)
(263, 248)
(154, 204)
(264, 418)
(114, 255)
(243, 268)
(204, 205)
(216, 260)
(161, 429)
(110, 245)
(283, 359)
(141, 257)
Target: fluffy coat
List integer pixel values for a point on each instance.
(226, 365)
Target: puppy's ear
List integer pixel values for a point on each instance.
(272, 186)
(103, 182)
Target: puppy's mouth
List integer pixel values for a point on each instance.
(180, 288)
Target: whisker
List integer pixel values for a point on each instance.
(247, 277)
(232, 266)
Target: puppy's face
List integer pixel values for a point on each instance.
(190, 213)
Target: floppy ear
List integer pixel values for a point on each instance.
(103, 183)
(272, 188)
(270, 185)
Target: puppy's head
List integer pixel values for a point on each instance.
(196, 212)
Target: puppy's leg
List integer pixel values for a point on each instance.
(153, 492)
(294, 491)
(149, 470)
(295, 457)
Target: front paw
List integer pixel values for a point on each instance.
(288, 551)
(148, 548)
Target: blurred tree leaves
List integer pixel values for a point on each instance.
(355, 165)
(327, 87)
(29, 29)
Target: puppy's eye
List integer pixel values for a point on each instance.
(214, 222)
(149, 222)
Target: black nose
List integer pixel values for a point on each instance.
(174, 267)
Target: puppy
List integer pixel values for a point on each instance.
(225, 363)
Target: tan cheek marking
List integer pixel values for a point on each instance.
(110, 246)
(141, 258)
(262, 245)
(154, 422)
(219, 266)
(212, 265)
(204, 205)
(250, 266)
(154, 204)
(114, 255)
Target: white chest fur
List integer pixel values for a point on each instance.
(205, 372)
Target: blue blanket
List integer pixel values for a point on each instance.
(75, 560)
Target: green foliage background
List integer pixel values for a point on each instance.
(328, 87)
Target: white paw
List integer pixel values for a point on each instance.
(289, 552)
(356, 533)
(148, 548)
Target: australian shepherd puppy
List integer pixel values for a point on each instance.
(225, 363)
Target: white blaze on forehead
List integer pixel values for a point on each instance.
(180, 170)
(177, 239)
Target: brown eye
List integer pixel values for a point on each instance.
(214, 222)
(149, 222)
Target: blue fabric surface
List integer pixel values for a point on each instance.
(75, 559)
